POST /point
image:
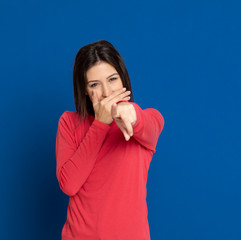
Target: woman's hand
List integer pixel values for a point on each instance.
(124, 115)
(102, 108)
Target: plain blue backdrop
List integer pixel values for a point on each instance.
(184, 59)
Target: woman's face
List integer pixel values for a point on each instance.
(104, 79)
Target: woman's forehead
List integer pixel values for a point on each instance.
(100, 70)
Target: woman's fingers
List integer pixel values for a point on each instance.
(124, 122)
(126, 135)
(114, 95)
(127, 98)
(114, 113)
(122, 96)
(94, 98)
(128, 125)
(132, 119)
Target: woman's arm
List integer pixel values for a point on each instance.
(74, 163)
(146, 124)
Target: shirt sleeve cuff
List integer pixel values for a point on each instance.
(121, 101)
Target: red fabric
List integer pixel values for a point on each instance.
(105, 176)
(122, 101)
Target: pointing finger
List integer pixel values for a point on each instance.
(128, 125)
(126, 135)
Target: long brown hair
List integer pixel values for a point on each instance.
(87, 57)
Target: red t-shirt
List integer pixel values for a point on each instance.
(105, 176)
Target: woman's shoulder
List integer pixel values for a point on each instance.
(74, 119)
(69, 115)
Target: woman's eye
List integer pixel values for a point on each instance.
(93, 85)
(112, 79)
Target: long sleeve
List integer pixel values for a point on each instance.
(148, 126)
(74, 163)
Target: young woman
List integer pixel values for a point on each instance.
(104, 149)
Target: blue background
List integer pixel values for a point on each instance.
(184, 59)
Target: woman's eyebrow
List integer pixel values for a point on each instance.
(93, 81)
(112, 75)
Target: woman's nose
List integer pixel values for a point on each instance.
(106, 91)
